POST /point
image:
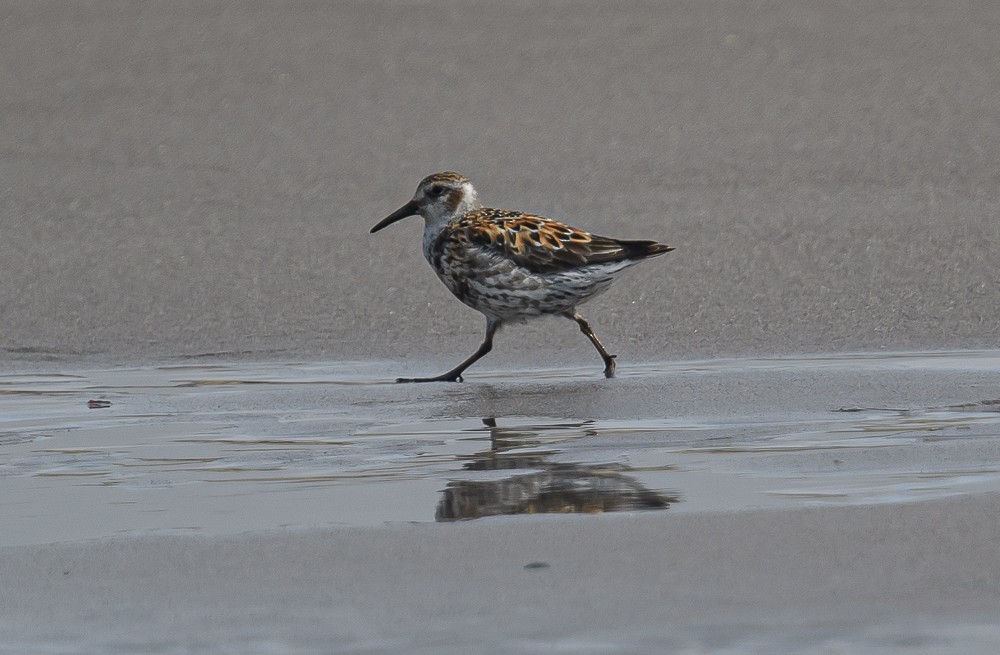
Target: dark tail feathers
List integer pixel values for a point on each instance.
(644, 249)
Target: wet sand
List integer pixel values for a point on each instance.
(192, 185)
(210, 450)
(814, 581)
(823, 504)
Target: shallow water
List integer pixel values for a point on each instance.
(227, 448)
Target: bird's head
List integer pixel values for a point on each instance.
(440, 198)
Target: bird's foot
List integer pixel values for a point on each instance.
(609, 366)
(439, 378)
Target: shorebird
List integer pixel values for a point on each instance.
(512, 266)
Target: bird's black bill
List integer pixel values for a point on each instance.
(409, 209)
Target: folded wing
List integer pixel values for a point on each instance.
(543, 245)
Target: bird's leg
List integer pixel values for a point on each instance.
(609, 359)
(455, 374)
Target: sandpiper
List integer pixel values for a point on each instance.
(512, 266)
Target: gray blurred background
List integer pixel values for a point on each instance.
(187, 178)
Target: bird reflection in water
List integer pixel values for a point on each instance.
(545, 487)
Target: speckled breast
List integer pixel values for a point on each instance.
(499, 288)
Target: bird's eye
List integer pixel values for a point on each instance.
(436, 191)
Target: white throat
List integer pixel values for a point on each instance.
(438, 215)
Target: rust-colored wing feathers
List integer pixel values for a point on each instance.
(547, 246)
